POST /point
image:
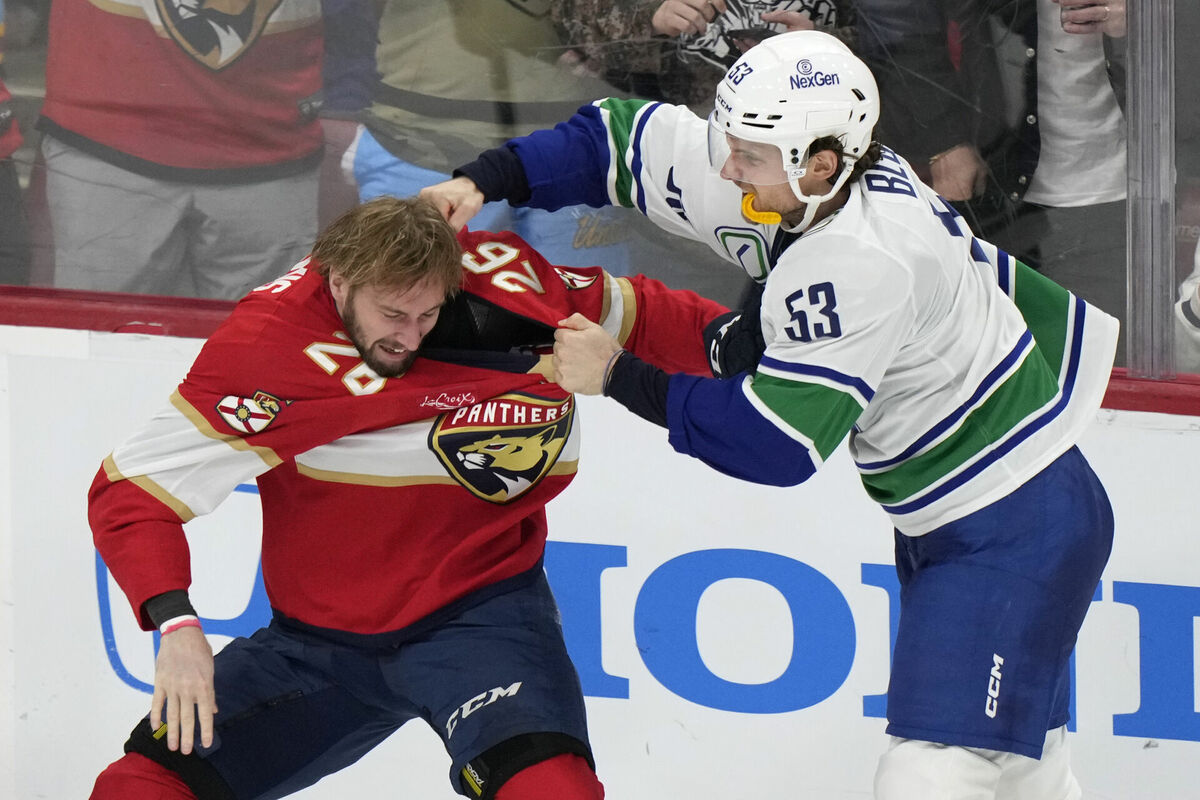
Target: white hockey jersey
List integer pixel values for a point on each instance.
(957, 372)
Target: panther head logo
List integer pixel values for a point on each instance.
(215, 32)
(501, 448)
(513, 460)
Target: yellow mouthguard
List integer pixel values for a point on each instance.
(761, 217)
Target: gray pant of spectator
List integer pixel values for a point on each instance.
(119, 231)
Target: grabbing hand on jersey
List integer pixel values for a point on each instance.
(458, 199)
(583, 353)
(183, 681)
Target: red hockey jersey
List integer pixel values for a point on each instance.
(163, 87)
(383, 499)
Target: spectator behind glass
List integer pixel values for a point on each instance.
(467, 75)
(14, 232)
(1187, 151)
(349, 77)
(1187, 322)
(1015, 111)
(181, 147)
(677, 50)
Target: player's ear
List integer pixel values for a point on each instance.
(339, 288)
(824, 164)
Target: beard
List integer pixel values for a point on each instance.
(383, 363)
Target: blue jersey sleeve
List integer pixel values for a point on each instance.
(714, 421)
(566, 165)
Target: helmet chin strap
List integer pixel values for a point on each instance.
(813, 202)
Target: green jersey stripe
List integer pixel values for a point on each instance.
(619, 117)
(1030, 388)
(1046, 308)
(819, 413)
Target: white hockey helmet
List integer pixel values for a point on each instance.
(789, 91)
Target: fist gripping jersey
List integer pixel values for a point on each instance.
(383, 499)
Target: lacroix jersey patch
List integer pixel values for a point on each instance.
(501, 448)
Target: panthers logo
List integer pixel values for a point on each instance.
(215, 32)
(501, 448)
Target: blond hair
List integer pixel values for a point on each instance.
(391, 243)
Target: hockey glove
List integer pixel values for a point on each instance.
(734, 342)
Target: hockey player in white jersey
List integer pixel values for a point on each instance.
(962, 378)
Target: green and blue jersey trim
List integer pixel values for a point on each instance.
(821, 415)
(849, 383)
(625, 121)
(994, 381)
(1017, 435)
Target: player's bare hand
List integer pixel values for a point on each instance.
(1093, 16)
(960, 173)
(458, 199)
(582, 350)
(183, 683)
(676, 17)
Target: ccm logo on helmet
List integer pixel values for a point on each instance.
(807, 76)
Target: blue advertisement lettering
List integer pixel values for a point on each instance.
(1167, 623)
(822, 630)
(822, 626)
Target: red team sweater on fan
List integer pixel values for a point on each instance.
(187, 91)
(383, 499)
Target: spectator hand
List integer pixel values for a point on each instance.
(577, 64)
(183, 681)
(1090, 16)
(792, 20)
(675, 17)
(582, 354)
(458, 199)
(959, 173)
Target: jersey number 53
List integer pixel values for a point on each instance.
(814, 314)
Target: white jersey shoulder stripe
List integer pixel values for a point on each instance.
(188, 460)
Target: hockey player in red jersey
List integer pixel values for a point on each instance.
(390, 397)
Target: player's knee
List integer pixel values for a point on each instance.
(135, 777)
(194, 772)
(534, 766)
(563, 777)
(916, 770)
